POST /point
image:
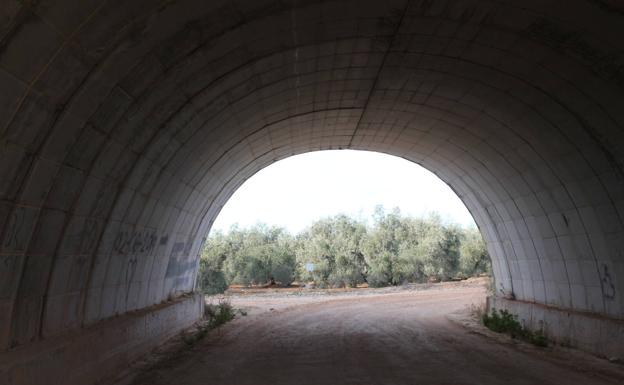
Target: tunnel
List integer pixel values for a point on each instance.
(125, 126)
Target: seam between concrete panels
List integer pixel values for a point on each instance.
(389, 42)
(264, 86)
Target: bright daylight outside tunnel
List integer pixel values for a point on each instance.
(125, 126)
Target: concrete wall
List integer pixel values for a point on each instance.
(96, 354)
(593, 333)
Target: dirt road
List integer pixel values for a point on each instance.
(403, 337)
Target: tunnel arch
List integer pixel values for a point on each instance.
(125, 126)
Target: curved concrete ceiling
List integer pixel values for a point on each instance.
(126, 125)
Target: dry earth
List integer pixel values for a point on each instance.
(411, 335)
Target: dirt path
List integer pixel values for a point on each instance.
(401, 337)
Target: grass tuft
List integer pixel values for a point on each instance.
(219, 314)
(215, 316)
(502, 321)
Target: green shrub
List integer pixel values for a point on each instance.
(502, 321)
(342, 251)
(216, 315)
(333, 247)
(473, 256)
(210, 280)
(219, 314)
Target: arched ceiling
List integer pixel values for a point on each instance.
(126, 125)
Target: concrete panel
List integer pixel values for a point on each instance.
(98, 353)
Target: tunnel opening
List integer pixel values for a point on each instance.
(320, 220)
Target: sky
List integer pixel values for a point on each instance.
(296, 191)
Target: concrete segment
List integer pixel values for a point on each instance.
(125, 127)
(96, 354)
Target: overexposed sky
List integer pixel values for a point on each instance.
(296, 191)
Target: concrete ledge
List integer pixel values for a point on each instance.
(586, 331)
(99, 352)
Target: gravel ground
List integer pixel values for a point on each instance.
(419, 334)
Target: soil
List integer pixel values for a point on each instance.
(417, 334)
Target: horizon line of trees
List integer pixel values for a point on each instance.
(342, 251)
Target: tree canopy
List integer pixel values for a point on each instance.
(341, 251)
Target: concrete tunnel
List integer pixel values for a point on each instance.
(126, 125)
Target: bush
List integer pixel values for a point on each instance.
(334, 247)
(219, 314)
(210, 280)
(216, 315)
(504, 322)
(343, 252)
(473, 256)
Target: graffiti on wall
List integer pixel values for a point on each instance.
(135, 242)
(608, 287)
(180, 260)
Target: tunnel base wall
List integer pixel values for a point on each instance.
(100, 352)
(592, 333)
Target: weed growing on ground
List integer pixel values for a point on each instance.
(219, 314)
(215, 316)
(502, 321)
(477, 311)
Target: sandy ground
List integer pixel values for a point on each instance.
(413, 335)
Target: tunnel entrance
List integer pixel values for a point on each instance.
(318, 220)
(125, 127)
